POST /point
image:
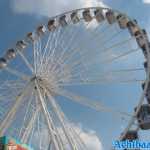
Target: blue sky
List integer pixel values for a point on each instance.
(16, 22)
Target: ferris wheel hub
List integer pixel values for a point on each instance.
(44, 84)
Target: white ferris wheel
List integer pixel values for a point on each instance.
(79, 48)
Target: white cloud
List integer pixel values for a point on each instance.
(146, 1)
(50, 7)
(89, 137)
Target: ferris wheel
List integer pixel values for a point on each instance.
(87, 47)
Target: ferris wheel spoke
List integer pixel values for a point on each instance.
(31, 134)
(48, 45)
(17, 74)
(55, 36)
(48, 118)
(53, 53)
(11, 84)
(50, 52)
(86, 77)
(116, 45)
(60, 36)
(101, 40)
(77, 49)
(11, 88)
(65, 48)
(66, 29)
(70, 44)
(43, 55)
(14, 131)
(78, 142)
(34, 56)
(81, 144)
(26, 114)
(106, 50)
(106, 28)
(127, 70)
(26, 61)
(37, 51)
(96, 34)
(60, 42)
(6, 96)
(10, 95)
(125, 54)
(39, 130)
(100, 82)
(40, 124)
(122, 55)
(101, 27)
(89, 103)
(10, 116)
(78, 139)
(107, 76)
(86, 54)
(85, 70)
(77, 65)
(64, 126)
(50, 38)
(131, 50)
(29, 127)
(52, 42)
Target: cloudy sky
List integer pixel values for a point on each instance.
(21, 16)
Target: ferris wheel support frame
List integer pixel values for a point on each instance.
(9, 118)
(46, 114)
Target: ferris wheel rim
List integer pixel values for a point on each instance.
(148, 60)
